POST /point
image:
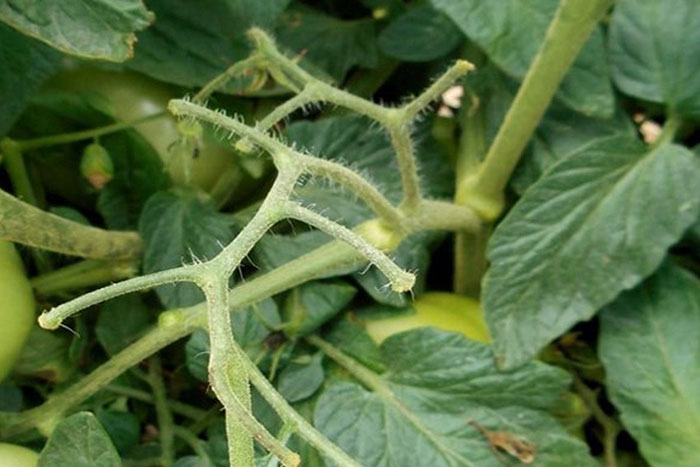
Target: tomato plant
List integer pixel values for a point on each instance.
(426, 232)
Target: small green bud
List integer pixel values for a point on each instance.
(96, 165)
(190, 129)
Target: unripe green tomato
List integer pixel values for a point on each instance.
(132, 96)
(96, 165)
(12, 455)
(16, 307)
(447, 311)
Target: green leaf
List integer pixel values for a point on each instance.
(299, 380)
(11, 398)
(333, 44)
(650, 347)
(598, 223)
(101, 29)
(436, 384)
(192, 42)
(189, 43)
(123, 428)
(312, 304)
(419, 35)
(180, 227)
(121, 321)
(79, 441)
(561, 133)
(351, 337)
(26, 64)
(138, 174)
(654, 52)
(45, 354)
(511, 31)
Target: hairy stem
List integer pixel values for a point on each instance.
(357, 185)
(53, 318)
(401, 281)
(227, 375)
(572, 25)
(291, 417)
(19, 221)
(219, 81)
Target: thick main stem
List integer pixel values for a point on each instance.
(572, 25)
(19, 221)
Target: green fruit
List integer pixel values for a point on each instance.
(12, 455)
(96, 165)
(447, 311)
(132, 96)
(16, 307)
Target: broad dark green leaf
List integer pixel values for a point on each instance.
(561, 133)
(45, 355)
(261, 13)
(350, 336)
(331, 43)
(190, 42)
(650, 347)
(179, 227)
(138, 174)
(437, 383)
(11, 398)
(26, 63)
(101, 29)
(123, 428)
(79, 441)
(511, 31)
(419, 35)
(655, 51)
(301, 378)
(250, 328)
(598, 223)
(311, 304)
(121, 321)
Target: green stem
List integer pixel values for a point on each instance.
(84, 274)
(219, 81)
(668, 132)
(611, 429)
(166, 425)
(65, 138)
(367, 377)
(470, 247)
(572, 25)
(47, 415)
(291, 417)
(19, 221)
(17, 170)
(177, 407)
(195, 443)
